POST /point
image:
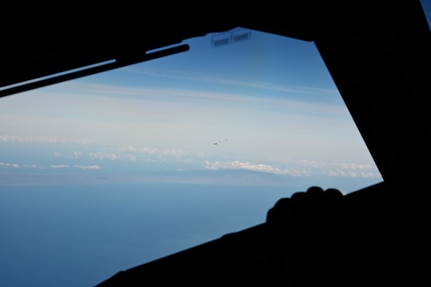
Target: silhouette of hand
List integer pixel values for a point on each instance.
(305, 234)
(305, 207)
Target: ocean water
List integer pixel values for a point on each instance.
(80, 235)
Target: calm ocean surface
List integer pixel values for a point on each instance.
(79, 235)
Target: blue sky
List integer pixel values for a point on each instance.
(266, 104)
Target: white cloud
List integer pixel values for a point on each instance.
(176, 95)
(128, 148)
(303, 168)
(343, 169)
(176, 74)
(352, 170)
(75, 154)
(88, 167)
(33, 165)
(59, 166)
(216, 165)
(41, 139)
(113, 156)
(58, 154)
(148, 150)
(72, 154)
(11, 165)
(101, 156)
(131, 153)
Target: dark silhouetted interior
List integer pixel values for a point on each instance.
(378, 54)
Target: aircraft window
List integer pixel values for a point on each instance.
(116, 169)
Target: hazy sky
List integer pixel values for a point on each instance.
(263, 104)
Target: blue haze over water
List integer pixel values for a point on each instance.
(79, 235)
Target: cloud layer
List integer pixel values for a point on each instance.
(179, 159)
(304, 168)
